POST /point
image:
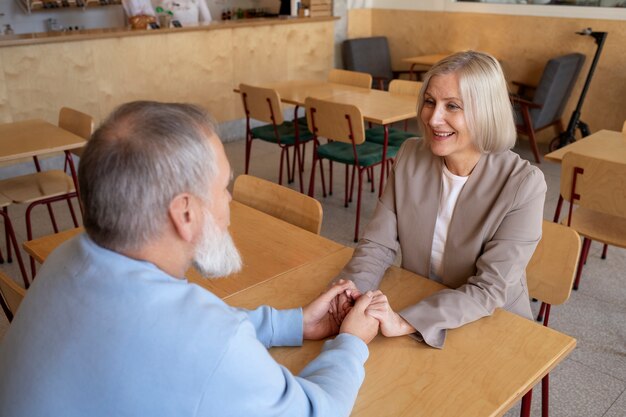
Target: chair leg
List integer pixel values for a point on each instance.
(52, 219)
(542, 310)
(358, 205)
(526, 402)
(248, 151)
(581, 261)
(289, 172)
(280, 170)
(330, 176)
(352, 183)
(530, 132)
(604, 250)
(69, 203)
(29, 236)
(345, 190)
(11, 240)
(545, 396)
(299, 165)
(312, 178)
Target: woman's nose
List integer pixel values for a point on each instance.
(436, 117)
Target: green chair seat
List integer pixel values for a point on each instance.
(286, 131)
(369, 153)
(396, 136)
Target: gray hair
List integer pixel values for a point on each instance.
(487, 107)
(136, 162)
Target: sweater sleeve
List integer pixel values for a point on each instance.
(248, 382)
(501, 265)
(276, 327)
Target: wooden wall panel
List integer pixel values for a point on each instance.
(523, 44)
(39, 80)
(5, 109)
(200, 66)
(305, 57)
(359, 23)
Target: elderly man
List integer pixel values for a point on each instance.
(110, 327)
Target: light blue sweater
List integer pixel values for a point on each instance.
(100, 334)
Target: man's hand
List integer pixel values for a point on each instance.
(318, 322)
(341, 305)
(358, 323)
(391, 323)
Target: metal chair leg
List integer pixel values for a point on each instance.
(581, 262)
(526, 402)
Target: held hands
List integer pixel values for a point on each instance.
(357, 322)
(391, 323)
(319, 321)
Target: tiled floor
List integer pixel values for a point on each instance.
(590, 383)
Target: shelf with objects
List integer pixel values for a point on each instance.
(30, 6)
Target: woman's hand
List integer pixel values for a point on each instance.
(391, 324)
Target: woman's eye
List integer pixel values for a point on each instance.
(453, 106)
(429, 102)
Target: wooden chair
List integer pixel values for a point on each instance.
(542, 106)
(11, 295)
(396, 137)
(342, 125)
(550, 274)
(78, 123)
(598, 188)
(45, 187)
(280, 202)
(353, 78)
(263, 104)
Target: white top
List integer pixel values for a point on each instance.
(188, 12)
(452, 186)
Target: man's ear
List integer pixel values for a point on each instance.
(183, 212)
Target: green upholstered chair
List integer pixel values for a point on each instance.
(342, 125)
(263, 104)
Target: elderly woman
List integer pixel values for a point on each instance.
(461, 207)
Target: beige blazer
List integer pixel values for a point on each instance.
(494, 230)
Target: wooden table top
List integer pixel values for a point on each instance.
(483, 370)
(268, 246)
(604, 144)
(428, 60)
(380, 107)
(34, 137)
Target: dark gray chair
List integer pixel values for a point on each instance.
(370, 55)
(537, 108)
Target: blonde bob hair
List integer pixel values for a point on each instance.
(483, 89)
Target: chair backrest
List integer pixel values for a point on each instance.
(278, 201)
(335, 121)
(353, 78)
(551, 271)
(555, 88)
(77, 122)
(601, 185)
(261, 103)
(11, 295)
(405, 87)
(370, 55)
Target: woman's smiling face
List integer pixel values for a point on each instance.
(443, 118)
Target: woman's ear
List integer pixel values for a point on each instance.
(184, 214)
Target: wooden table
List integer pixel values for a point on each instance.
(424, 60)
(268, 246)
(483, 370)
(604, 144)
(37, 137)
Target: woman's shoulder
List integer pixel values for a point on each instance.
(517, 171)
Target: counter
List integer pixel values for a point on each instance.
(94, 71)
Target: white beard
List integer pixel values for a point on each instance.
(216, 254)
